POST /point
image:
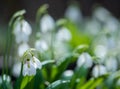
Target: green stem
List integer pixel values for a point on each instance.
(52, 45)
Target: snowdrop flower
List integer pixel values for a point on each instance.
(93, 26)
(112, 25)
(102, 14)
(6, 78)
(100, 51)
(99, 70)
(63, 34)
(16, 69)
(41, 45)
(29, 68)
(30, 65)
(47, 23)
(111, 64)
(68, 73)
(84, 60)
(60, 49)
(73, 13)
(22, 48)
(22, 30)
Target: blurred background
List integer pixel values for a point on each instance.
(57, 9)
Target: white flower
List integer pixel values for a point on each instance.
(68, 73)
(63, 34)
(22, 48)
(111, 64)
(47, 23)
(41, 45)
(99, 70)
(102, 14)
(101, 51)
(84, 60)
(30, 66)
(73, 13)
(22, 30)
(16, 69)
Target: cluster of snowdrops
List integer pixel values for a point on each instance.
(70, 53)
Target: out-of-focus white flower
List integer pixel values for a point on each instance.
(100, 51)
(101, 14)
(93, 26)
(22, 48)
(73, 13)
(68, 73)
(84, 60)
(111, 25)
(47, 23)
(6, 78)
(22, 30)
(60, 49)
(41, 45)
(16, 69)
(111, 64)
(99, 70)
(63, 34)
(30, 66)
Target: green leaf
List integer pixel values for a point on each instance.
(59, 84)
(92, 83)
(63, 65)
(26, 80)
(47, 62)
(38, 80)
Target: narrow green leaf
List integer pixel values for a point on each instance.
(59, 84)
(25, 81)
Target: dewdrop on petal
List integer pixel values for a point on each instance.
(22, 30)
(99, 70)
(47, 23)
(85, 60)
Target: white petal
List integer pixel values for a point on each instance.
(37, 63)
(32, 70)
(25, 70)
(26, 28)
